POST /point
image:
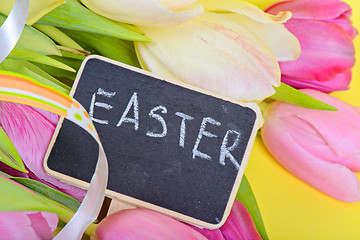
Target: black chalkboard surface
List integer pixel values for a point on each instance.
(169, 147)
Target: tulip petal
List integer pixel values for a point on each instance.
(176, 5)
(217, 54)
(52, 117)
(16, 225)
(143, 12)
(309, 137)
(149, 62)
(331, 178)
(27, 225)
(323, 55)
(247, 9)
(283, 44)
(31, 133)
(345, 23)
(239, 225)
(44, 224)
(38, 8)
(209, 234)
(339, 83)
(144, 224)
(341, 131)
(311, 9)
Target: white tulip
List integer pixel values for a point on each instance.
(235, 56)
(146, 12)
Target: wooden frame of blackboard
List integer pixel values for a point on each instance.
(135, 202)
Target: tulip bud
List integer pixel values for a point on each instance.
(27, 225)
(325, 32)
(143, 224)
(146, 12)
(319, 147)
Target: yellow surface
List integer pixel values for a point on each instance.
(291, 209)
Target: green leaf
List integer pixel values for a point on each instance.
(15, 197)
(5, 174)
(49, 192)
(246, 196)
(114, 48)
(293, 96)
(61, 224)
(9, 154)
(58, 36)
(75, 54)
(59, 73)
(54, 82)
(26, 54)
(75, 16)
(72, 62)
(26, 68)
(35, 40)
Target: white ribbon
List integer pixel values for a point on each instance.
(12, 28)
(89, 209)
(91, 205)
(22, 89)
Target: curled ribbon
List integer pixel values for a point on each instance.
(12, 28)
(22, 89)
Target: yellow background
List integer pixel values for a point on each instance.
(291, 209)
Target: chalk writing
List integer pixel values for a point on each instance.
(202, 132)
(93, 103)
(133, 102)
(183, 126)
(225, 148)
(160, 119)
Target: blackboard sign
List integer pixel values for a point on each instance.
(170, 147)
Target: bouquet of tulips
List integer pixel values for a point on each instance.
(286, 58)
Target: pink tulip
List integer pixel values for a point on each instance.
(147, 225)
(144, 224)
(322, 148)
(27, 225)
(238, 226)
(30, 129)
(325, 32)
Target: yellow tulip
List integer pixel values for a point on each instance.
(235, 55)
(146, 12)
(38, 8)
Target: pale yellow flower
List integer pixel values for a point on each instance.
(146, 12)
(38, 8)
(234, 52)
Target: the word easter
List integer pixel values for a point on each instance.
(133, 104)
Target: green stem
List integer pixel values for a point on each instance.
(90, 230)
(264, 107)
